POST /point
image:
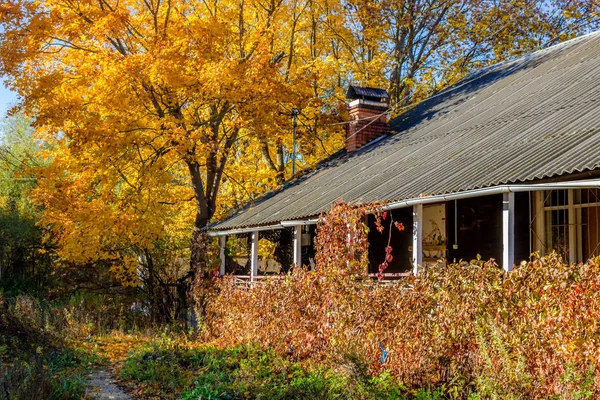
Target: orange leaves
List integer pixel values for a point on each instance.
(531, 333)
(135, 95)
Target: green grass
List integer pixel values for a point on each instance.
(246, 372)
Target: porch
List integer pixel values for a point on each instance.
(506, 223)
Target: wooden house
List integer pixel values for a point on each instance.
(503, 163)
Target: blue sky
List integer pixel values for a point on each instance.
(7, 98)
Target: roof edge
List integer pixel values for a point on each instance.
(499, 189)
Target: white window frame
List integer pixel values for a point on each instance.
(574, 220)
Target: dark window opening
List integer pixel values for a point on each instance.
(476, 228)
(400, 242)
(275, 251)
(237, 254)
(309, 233)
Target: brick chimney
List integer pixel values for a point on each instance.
(368, 116)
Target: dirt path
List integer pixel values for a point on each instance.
(101, 386)
(113, 348)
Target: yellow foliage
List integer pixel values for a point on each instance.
(160, 116)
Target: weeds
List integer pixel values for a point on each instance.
(246, 372)
(35, 364)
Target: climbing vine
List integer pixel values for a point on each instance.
(342, 246)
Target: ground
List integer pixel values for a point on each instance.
(102, 386)
(112, 349)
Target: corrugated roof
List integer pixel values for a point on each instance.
(532, 118)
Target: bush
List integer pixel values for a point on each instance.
(34, 364)
(470, 328)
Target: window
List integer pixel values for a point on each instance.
(572, 222)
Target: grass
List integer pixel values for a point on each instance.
(190, 371)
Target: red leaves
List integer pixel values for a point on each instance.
(342, 242)
(457, 320)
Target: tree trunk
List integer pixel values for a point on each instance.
(277, 165)
(202, 217)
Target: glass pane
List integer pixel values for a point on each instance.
(591, 232)
(555, 198)
(589, 196)
(557, 232)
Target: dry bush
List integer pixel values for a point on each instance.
(532, 333)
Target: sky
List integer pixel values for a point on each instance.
(7, 98)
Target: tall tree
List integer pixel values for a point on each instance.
(416, 47)
(144, 101)
(159, 111)
(25, 260)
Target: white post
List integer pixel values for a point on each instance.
(508, 231)
(417, 245)
(298, 245)
(572, 218)
(222, 241)
(540, 226)
(254, 256)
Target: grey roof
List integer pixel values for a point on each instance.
(531, 118)
(356, 92)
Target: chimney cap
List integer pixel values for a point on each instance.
(367, 93)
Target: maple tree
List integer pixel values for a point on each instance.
(160, 115)
(142, 102)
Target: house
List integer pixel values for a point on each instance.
(503, 163)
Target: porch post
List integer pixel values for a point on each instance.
(572, 218)
(298, 245)
(540, 228)
(254, 256)
(222, 241)
(417, 245)
(508, 231)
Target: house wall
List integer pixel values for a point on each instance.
(461, 229)
(477, 230)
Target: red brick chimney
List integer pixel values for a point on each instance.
(368, 116)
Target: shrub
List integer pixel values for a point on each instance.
(34, 364)
(467, 329)
(471, 328)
